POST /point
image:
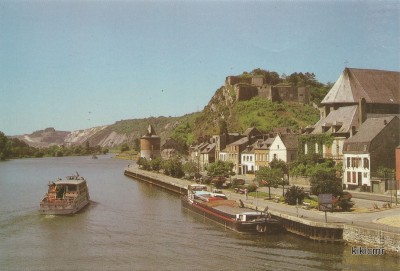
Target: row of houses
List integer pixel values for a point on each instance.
(359, 115)
(248, 151)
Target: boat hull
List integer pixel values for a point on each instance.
(229, 222)
(61, 208)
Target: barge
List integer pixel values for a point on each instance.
(230, 214)
(66, 196)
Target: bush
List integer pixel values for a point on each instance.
(237, 182)
(143, 163)
(218, 181)
(251, 188)
(293, 194)
(313, 202)
(344, 201)
(155, 164)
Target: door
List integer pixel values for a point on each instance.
(359, 178)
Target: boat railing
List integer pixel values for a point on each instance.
(59, 201)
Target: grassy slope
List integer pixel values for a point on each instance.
(257, 112)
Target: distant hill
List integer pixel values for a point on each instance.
(44, 138)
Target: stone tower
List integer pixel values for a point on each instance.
(150, 144)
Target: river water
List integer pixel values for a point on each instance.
(131, 225)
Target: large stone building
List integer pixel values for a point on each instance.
(246, 88)
(357, 95)
(150, 144)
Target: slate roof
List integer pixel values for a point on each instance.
(376, 86)
(290, 141)
(264, 145)
(343, 118)
(151, 132)
(240, 142)
(368, 131)
(210, 147)
(252, 131)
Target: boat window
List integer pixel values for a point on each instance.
(71, 188)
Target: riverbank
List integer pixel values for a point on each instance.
(349, 228)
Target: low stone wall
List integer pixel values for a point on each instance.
(372, 238)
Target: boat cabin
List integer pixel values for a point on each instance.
(250, 216)
(66, 189)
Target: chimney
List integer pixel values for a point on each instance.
(362, 111)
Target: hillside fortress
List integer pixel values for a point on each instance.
(246, 88)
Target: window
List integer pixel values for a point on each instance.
(348, 176)
(348, 162)
(355, 162)
(366, 163)
(354, 177)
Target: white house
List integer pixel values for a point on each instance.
(284, 147)
(248, 161)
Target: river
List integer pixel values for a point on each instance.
(131, 225)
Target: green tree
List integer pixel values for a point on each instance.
(385, 173)
(136, 144)
(220, 168)
(124, 147)
(223, 127)
(324, 181)
(269, 177)
(275, 163)
(294, 195)
(3, 142)
(190, 168)
(182, 134)
(87, 147)
(173, 167)
(155, 164)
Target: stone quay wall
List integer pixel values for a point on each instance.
(372, 238)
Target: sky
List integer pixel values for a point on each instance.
(73, 65)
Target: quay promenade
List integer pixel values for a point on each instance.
(348, 227)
